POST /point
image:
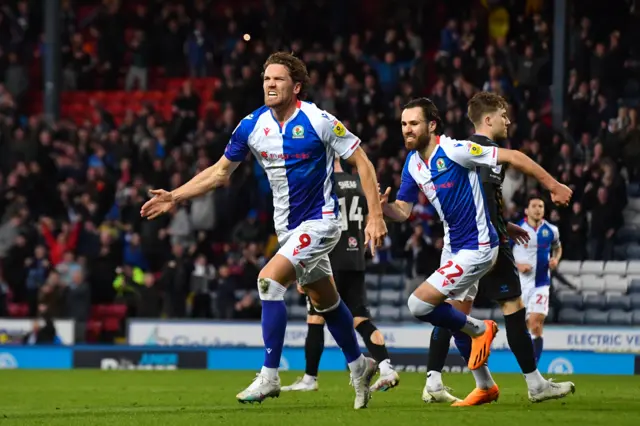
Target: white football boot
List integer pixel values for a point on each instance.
(553, 390)
(438, 396)
(261, 389)
(302, 384)
(386, 382)
(362, 383)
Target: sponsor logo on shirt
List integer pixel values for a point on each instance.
(273, 156)
(474, 149)
(339, 129)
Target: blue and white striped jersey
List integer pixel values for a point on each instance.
(450, 181)
(297, 156)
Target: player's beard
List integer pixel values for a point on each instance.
(281, 101)
(419, 142)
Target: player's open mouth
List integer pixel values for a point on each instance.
(272, 94)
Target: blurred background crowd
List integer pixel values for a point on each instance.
(153, 90)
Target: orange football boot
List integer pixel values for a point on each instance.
(479, 396)
(481, 345)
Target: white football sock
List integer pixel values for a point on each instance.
(357, 366)
(270, 373)
(483, 378)
(434, 381)
(309, 379)
(535, 381)
(474, 327)
(386, 367)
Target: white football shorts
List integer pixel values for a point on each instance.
(536, 299)
(308, 246)
(459, 274)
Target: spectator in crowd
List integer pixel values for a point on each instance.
(138, 71)
(201, 286)
(78, 303)
(40, 335)
(150, 300)
(37, 271)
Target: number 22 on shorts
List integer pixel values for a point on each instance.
(450, 271)
(305, 240)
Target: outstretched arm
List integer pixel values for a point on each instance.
(206, 180)
(163, 201)
(526, 165)
(560, 194)
(469, 154)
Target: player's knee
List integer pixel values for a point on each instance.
(511, 306)
(419, 308)
(269, 289)
(536, 324)
(536, 330)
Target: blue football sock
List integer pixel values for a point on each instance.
(445, 315)
(274, 325)
(463, 343)
(340, 324)
(537, 348)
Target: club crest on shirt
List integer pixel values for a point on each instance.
(353, 242)
(545, 233)
(338, 128)
(474, 148)
(440, 165)
(297, 132)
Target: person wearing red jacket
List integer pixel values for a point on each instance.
(65, 241)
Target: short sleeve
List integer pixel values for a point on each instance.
(409, 190)
(556, 237)
(470, 154)
(334, 133)
(238, 145)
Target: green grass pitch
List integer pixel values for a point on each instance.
(176, 398)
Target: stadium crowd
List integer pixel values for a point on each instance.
(71, 233)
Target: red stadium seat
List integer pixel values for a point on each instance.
(117, 310)
(94, 328)
(18, 310)
(111, 324)
(174, 84)
(100, 311)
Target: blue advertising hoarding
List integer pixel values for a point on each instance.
(552, 362)
(234, 358)
(33, 357)
(252, 358)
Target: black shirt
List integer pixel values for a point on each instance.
(492, 179)
(349, 252)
